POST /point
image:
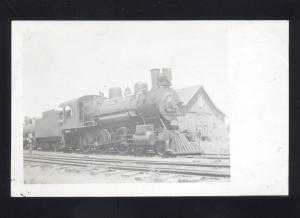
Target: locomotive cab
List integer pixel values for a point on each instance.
(73, 119)
(74, 113)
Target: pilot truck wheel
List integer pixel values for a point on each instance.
(160, 148)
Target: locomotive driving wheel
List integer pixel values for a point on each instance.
(103, 138)
(122, 145)
(86, 140)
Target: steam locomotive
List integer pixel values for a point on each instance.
(134, 123)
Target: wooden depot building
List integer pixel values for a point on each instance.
(201, 117)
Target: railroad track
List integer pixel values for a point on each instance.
(220, 170)
(115, 155)
(137, 161)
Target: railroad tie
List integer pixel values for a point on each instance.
(95, 172)
(143, 177)
(163, 178)
(73, 169)
(34, 165)
(111, 173)
(129, 174)
(191, 179)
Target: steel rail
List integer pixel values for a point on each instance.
(203, 156)
(135, 161)
(185, 154)
(124, 162)
(209, 156)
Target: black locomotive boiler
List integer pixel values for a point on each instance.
(135, 123)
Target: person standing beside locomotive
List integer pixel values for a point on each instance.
(30, 142)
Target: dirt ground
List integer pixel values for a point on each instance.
(215, 148)
(46, 174)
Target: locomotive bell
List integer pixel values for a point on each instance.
(115, 92)
(127, 92)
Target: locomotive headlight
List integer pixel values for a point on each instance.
(168, 105)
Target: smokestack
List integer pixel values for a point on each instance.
(154, 77)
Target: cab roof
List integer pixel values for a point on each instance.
(82, 98)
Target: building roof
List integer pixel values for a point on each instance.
(189, 95)
(186, 94)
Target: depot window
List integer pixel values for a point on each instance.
(200, 101)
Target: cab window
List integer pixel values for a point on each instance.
(68, 112)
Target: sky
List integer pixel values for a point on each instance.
(65, 60)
